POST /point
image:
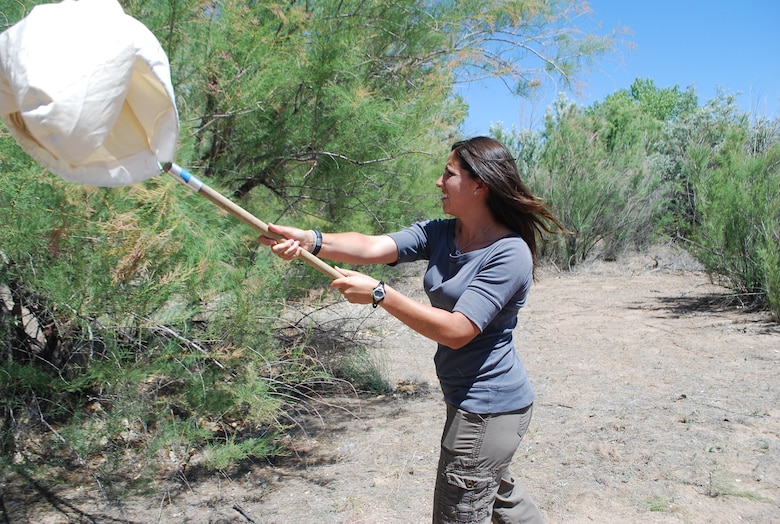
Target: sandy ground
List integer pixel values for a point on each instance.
(658, 401)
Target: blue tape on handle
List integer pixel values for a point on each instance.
(185, 177)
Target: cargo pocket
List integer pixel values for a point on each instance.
(468, 496)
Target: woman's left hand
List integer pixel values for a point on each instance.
(355, 286)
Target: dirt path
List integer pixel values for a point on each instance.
(657, 402)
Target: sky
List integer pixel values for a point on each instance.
(707, 44)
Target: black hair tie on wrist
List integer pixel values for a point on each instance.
(317, 241)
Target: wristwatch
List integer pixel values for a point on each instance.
(378, 294)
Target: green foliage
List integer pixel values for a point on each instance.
(122, 310)
(226, 454)
(363, 370)
(525, 144)
(647, 162)
(724, 193)
(317, 108)
(738, 204)
(591, 173)
(329, 111)
(671, 155)
(663, 105)
(769, 261)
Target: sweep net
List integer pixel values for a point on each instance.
(86, 91)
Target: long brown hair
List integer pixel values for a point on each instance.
(510, 201)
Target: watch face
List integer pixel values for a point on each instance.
(379, 292)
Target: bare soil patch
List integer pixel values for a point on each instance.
(658, 401)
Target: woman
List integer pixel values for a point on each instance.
(481, 265)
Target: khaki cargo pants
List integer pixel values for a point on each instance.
(473, 482)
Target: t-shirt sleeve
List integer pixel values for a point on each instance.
(501, 283)
(413, 241)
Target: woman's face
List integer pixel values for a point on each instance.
(458, 187)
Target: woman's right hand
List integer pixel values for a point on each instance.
(295, 240)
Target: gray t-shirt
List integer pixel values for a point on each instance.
(488, 286)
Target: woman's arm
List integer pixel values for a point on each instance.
(453, 330)
(349, 248)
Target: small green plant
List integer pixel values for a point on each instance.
(725, 483)
(225, 454)
(659, 505)
(364, 370)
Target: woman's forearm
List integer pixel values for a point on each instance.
(453, 330)
(357, 248)
(350, 248)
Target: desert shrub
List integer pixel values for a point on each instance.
(135, 320)
(365, 371)
(738, 224)
(591, 172)
(769, 260)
